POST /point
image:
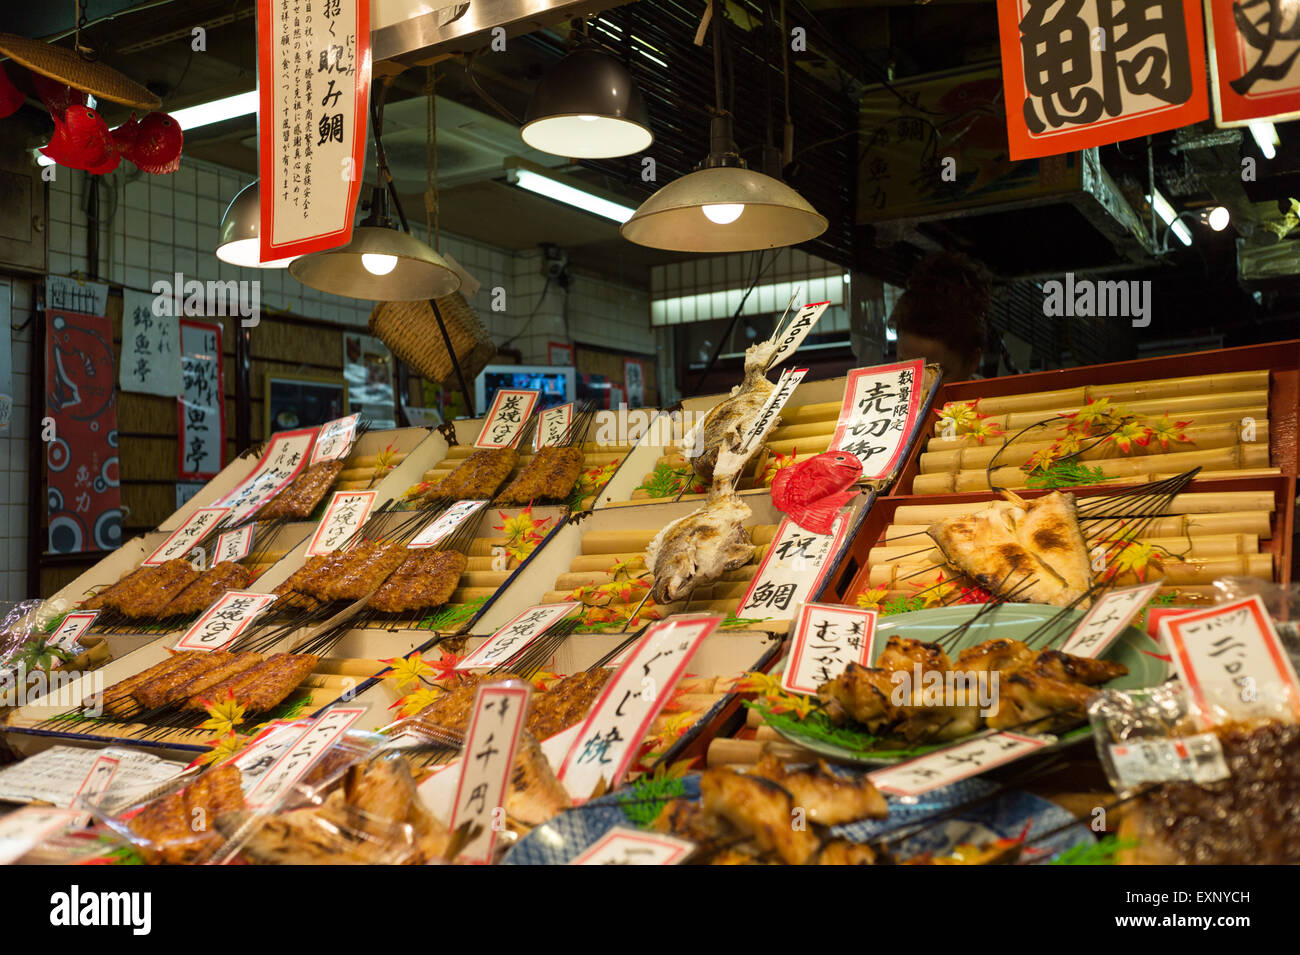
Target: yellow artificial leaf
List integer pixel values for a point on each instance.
(407, 669)
(223, 748)
(873, 598)
(224, 714)
(412, 703)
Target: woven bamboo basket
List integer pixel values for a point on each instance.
(411, 331)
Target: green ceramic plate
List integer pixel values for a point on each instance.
(1009, 621)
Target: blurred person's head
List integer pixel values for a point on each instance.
(942, 315)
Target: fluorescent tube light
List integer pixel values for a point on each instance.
(1166, 212)
(562, 192)
(219, 110)
(1266, 138)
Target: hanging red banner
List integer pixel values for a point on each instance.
(313, 68)
(1083, 73)
(1254, 61)
(201, 407)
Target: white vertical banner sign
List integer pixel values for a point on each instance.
(313, 67)
(510, 410)
(335, 439)
(151, 347)
(486, 764)
(201, 408)
(793, 570)
(552, 426)
(827, 639)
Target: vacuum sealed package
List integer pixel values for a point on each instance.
(1281, 600)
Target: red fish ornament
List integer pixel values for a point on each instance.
(57, 96)
(155, 146)
(11, 97)
(82, 140)
(813, 491)
(124, 136)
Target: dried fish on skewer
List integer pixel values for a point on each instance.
(699, 548)
(724, 427)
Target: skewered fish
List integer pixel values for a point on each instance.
(236, 664)
(699, 548)
(565, 703)
(145, 598)
(117, 699)
(725, 425)
(135, 579)
(549, 476)
(829, 798)
(357, 572)
(478, 476)
(262, 686)
(299, 499)
(534, 794)
(425, 580)
(157, 691)
(210, 586)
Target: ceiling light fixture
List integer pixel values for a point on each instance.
(1266, 138)
(1166, 212)
(1217, 218)
(569, 195)
(238, 241)
(723, 206)
(587, 107)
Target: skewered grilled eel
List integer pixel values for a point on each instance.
(262, 686)
(425, 580)
(549, 476)
(117, 699)
(179, 828)
(478, 476)
(210, 586)
(356, 572)
(697, 549)
(135, 579)
(300, 498)
(144, 597)
(725, 425)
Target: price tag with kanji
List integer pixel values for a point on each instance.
(633, 697)
(224, 620)
(624, 846)
(1106, 620)
(72, 628)
(1192, 759)
(796, 332)
(281, 462)
(827, 638)
(294, 762)
(785, 387)
(180, 541)
(346, 512)
(335, 439)
(22, 831)
(553, 426)
(1232, 663)
(510, 409)
(954, 763)
(880, 412)
(512, 639)
(486, 764)
(445, 523)
(97, 780)
(793, 570)
(233, 545)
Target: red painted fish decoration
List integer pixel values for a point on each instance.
(124, 136)
(82, 140)
(57, 97)
(11, 97)
(157, 145)
(813, 491)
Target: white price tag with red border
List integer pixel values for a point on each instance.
(335, 439)
(515, 636)
(955, 763)
(294, 762)
(282, 461)
(827, 638)
(1232, 663)
(880, 411)
(22, 831)
(793, 570)
(511, 408)
(624, 846)
(234, 545)
(445, 523)
(72, 628)
(487, 761)
(189, 534)
(612, 733)
(785, 387)
(553, 426)
(225, 620)
(1106, 620)
(101, 774)
(797, 331)
(346, 512)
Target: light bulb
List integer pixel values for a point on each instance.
(588, 119)
(1218, 218)
(378, 263)
(723, 213)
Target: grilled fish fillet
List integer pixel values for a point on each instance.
(760, 809)
(208, 588)
(117, 698)
(147, 599)
(723, 427)
(300, 498)
(699, 548)
(425, 580)
(135, 578)
(549, 476)
(829, 798)
(180, 828)
(534, 795)
(478, 476)
(158, 691)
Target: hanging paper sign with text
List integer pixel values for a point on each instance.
(313, 70)
(954, 763)
(281, 462)
(827, 639)
(188, 535)
(293, 764)
(515, 636)
(624, 846)
(201, 408)
(151, 359)
(505, 419)
(879, 414)
(1107, 619)
(785, 386)
(445, 523)
(798, 330)
(553, 426)
(22, 831)
(612, 733)
(793, 570)
(346, 513)
(265, 750)
(335, 439)
(1094, 72)
(224, 620)
(66, 293)
(486, 764)
(1254, 62)
(1232, 663)
(233, 545)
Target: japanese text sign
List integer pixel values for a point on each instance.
(445, 523)
(1254, 60)
(798, 330)
(71, 629)
(280, 463)
(335, 439)
(505, 419)
(953, 763)
(486, 764)
(785, 386)
(225, 620)
(188, 535)
(826, 640)
(515, 636)
(233, 545)
(151, 348)
(201, 407)
(1106, 619)
(346, 512)
(793, 569)
(1083, 73)
(293, 764)
(879, 414)
(553, 426)
(626, 846)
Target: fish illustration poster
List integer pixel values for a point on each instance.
(84, 506)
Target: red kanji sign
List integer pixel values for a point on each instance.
(1254, 60)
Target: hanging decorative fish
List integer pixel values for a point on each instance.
(155, 147)
(82, 140)
(11, 97)
(813, 491)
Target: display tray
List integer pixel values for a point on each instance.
(1213, 385)
(606, 547)
(1249, 521)
(657, 470)
(607, 445)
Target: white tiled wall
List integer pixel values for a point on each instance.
(14, 445)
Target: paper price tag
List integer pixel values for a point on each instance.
(189, 534)
(72, 628)
(335, 439)
(624, 846)
(797, 331)
(1232, 662)
(552, 426)
(282, 461)
(445, 523)
(486, 764)
(950, 765)
(1106, 620)
(631, 700)
(224, 620)
(346, 512)
(515, 636)
(785, 387)
(233, 545)
(97, 781)
(793, 569)
(505, 419)
(293, 764)
(1193, 759)
(22, 831)
(880, 411)
(827, 639)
